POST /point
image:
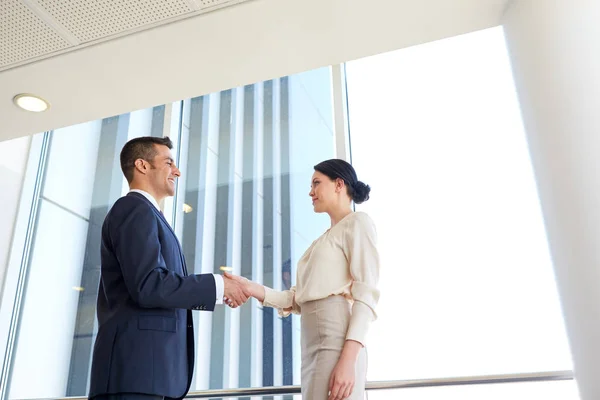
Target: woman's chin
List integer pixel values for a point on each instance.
(317, 209)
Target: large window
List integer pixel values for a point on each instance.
(467, 281)
(242, 202)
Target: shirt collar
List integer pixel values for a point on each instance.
(148, 196)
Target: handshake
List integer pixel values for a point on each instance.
(239, 289)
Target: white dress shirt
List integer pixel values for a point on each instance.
(219, 284)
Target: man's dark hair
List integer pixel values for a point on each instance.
(142, 147)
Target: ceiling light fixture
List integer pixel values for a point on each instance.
(30, 102)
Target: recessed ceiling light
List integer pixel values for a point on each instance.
(30, 102)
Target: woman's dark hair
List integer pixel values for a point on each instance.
(336, 168)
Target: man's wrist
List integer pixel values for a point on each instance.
(219, 288)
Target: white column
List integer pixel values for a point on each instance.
(256, 378)
(554, 47)
(231, 354)
(277, 246)
(209, 172)
(180, 151)
(340, 112)
(172, 123)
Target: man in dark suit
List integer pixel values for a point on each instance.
(145, 344)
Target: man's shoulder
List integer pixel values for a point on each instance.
(128, 204)
(128, 201)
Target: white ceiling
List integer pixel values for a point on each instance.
(97, 58)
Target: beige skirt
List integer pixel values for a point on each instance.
(324, 326)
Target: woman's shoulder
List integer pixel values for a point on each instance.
(361, 217)
(360, 220)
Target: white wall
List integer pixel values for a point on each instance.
(12, 171)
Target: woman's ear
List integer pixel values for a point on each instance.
(339, 185)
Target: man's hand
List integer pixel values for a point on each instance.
(251, 289)
(234, 292)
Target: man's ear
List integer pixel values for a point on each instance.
(141, 166)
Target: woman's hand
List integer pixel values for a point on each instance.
(251, 289)
(341, 382)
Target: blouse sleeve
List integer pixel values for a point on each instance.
(363, 257)
(282, 300)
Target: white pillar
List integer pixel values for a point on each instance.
(554, 47)
(231, 352)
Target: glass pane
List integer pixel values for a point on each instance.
(560, 390)
(467, 282)
(247, 208)
(242, 202)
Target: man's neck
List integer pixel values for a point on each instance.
(148, 190)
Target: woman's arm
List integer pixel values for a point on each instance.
(341, 381)
(283, 301)
(255, 290)
(363, 257)
(361, 250)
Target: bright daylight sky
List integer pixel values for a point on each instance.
(467, 282)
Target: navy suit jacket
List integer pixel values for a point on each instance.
(145, 341)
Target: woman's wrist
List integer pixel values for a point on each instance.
(351, 350)
(257, 291)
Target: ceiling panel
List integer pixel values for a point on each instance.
(23, 35)
(89, 20)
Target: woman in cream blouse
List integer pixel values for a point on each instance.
(336, 288)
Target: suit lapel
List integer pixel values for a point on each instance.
(164, 220)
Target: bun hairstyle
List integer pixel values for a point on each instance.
(336, 168)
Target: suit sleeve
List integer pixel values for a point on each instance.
(150, 283)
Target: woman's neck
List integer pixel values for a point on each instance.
(338, 215)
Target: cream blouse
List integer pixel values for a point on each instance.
(342, 261)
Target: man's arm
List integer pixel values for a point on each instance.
(149, 282)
